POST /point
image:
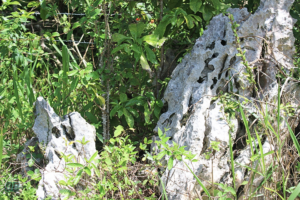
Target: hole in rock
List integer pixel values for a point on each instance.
(222, 88)
(242, 40)
(200, 80)
(73, 146)
(190, 101)
(57, 153)
(237, 85)
(211, 46)
(56, 132)
(226, 74)
(209, 67)
(232, 61)
(223, 66)
(264, 75)
(297, 130)
(164, 108)
(184, 119)
(224, 34)
(215, 55)
(215, 81)
(223, 42)
(70, 135)
(240, 191)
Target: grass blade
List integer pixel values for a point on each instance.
(73, 59)
(274, 192)
(295, 193)
(247, 128)
(261, 152)
(294, 138)
(232, 160)
(198, 180)
(164, 190)
(1, 145)
(65, 56)
(15, 79)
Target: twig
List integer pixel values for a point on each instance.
(78, 52)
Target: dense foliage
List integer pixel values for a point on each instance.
(109, 60)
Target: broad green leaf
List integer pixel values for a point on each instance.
(195, 5)
(55, 34)
(96, 170)
(93, 156)
(123, 97)
(136, 48)
(62, 182)
(129, 118)
(189, 21)
(136, 30)
(117, 37)
(161, 154)
(65, 191)
(30, 162)
(30, 173)
(154, 40)
(137, 102)
(72, 73)
(75, 25)
(100, 137)
(94, 13)
(118, 131)
(97, 3)
(74, 165)
(120, 47)
(87, 170)
(150, 55)
(114, 110)
(108, 161)
(170, 163)
(43, 13)
(78, 176)
(174, 3)
(147, 113)
(157, 111)
(161, 28)
(133, 111)
(216, 4)
(144, 63)
(33, 4)
(13, 3)
(100, 99)
(208, 12)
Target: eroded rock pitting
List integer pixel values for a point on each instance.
(211, 67)
(60, 136)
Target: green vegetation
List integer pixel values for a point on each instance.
(109, 65)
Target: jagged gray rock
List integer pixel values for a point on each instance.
(60, 136)
(195, 120)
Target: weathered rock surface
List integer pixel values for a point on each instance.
(60, 136)
(195, 119)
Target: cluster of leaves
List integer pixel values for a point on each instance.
(138, 34)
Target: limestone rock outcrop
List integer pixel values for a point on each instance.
(60, 137)
(195, 118)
